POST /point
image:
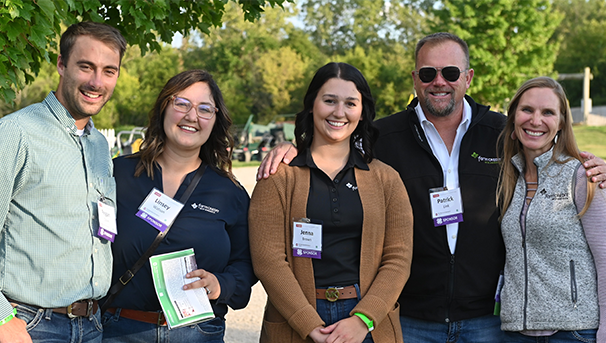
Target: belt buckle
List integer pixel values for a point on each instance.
(89, 307)
(69, 312)
(332, 294)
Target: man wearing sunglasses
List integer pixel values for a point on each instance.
(446, 142)
(444, 145)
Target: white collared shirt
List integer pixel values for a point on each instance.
(449, 162)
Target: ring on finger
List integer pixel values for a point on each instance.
(207, 290)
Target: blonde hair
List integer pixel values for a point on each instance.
(565, 144)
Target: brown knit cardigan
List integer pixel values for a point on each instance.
(386, 252)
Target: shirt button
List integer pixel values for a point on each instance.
(90, 184)
(449, 171)
(336, 180)
(335, 210)
(96, 284)
(96, 250)
(454, 236)
(334, 199)
(333, 190)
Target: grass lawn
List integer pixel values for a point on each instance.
(592, 139)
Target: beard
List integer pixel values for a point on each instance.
(79, 108)
(440, 112)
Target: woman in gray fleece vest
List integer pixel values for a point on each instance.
(551, 223)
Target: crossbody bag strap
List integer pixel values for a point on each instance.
(130, 273)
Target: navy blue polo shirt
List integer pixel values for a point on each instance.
(336, 203)
(214, 222)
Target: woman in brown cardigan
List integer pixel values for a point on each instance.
(344, 286)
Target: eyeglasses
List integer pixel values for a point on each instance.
(204, 111)
(450, 73)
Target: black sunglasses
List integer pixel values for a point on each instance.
(428, 74)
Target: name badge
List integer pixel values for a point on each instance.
(446, 206)
(307, 239)
(159, 210)
(107, 221)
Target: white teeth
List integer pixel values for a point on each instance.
(536, 134)
(440, 94)
(94, 96)
(188, 128)
(335, 123)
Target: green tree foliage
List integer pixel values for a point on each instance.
(388, 75)
(264, 68)
(28, 29)
(240, 54)
(340, 25)
(583, 45)
(141, 80)
(47, 79)
(508, 42)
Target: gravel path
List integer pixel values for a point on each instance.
(243, 326)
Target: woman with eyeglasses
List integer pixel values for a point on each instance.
(188, 131)
(331, 234)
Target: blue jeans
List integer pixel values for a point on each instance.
(587, 336)
(332, 312)
(43, 325)
(485, 329)
(119, 329)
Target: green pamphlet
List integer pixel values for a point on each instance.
(180, 307)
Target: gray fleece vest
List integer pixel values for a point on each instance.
(550, 276)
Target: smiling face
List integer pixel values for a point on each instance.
(88, 78)
(185, 131)
(439, 97)
(336, 112)
(537, 120)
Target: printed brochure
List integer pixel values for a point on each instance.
(180, 307)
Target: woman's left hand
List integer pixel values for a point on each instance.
(207, 280)
(348, 330)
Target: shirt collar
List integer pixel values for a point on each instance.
(355, 160)
(540, 161)
(465, 120)
(63, 116)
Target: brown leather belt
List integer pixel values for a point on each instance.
(142, 316)
(334, 294)
(82, 308)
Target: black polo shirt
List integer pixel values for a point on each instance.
(336, 203)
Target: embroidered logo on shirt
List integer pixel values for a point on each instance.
(554, 196)
(204, 208)
(352, 187)
(486, 160)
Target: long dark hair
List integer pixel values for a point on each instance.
(365, 135)
(215, 152)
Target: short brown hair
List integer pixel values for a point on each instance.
(441, 37)
(102, 32)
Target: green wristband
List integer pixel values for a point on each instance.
(7, 319)
(369, 323)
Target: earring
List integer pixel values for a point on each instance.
(513, 136)
(555, 139)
